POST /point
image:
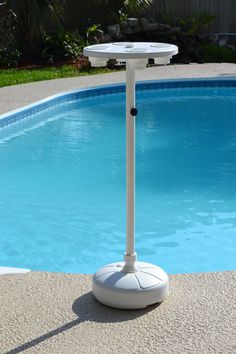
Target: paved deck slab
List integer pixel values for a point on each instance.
(56, 313)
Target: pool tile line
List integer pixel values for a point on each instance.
(39, 106)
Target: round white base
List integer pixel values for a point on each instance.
(113, 287)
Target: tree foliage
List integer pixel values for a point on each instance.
(136, 7)
(128, 7)
(34, 17)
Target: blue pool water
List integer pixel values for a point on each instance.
(62, 182)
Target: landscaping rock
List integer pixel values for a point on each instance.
(144, 23)
(114, 30)
(133, 22)
(164, 27)
(124, 25)
(152, 27)
(128, 30)
(175, 30)
(106, 38)
(222, 42)
(142, 29)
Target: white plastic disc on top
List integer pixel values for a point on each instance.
(131, 50)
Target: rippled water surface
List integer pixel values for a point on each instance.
(62, 183)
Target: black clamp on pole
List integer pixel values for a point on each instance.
(133, 111)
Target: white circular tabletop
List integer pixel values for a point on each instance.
(131, 50)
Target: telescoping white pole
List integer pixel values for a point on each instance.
(130, 254)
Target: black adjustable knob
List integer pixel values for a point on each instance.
(134, 111)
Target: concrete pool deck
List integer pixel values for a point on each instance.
(55, 313)
(12, 97)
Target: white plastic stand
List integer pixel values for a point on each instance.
(130, 284)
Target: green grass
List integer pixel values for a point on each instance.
(20, 76)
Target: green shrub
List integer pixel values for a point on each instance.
(9, 53)
(34, 19)
(215, 54)
(62, 44)
(93, 34)
(136, 7)
(115, 10)
(196, 24)
(9, 56)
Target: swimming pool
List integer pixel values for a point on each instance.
(62, 179)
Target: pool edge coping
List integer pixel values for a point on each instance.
(16, 114)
